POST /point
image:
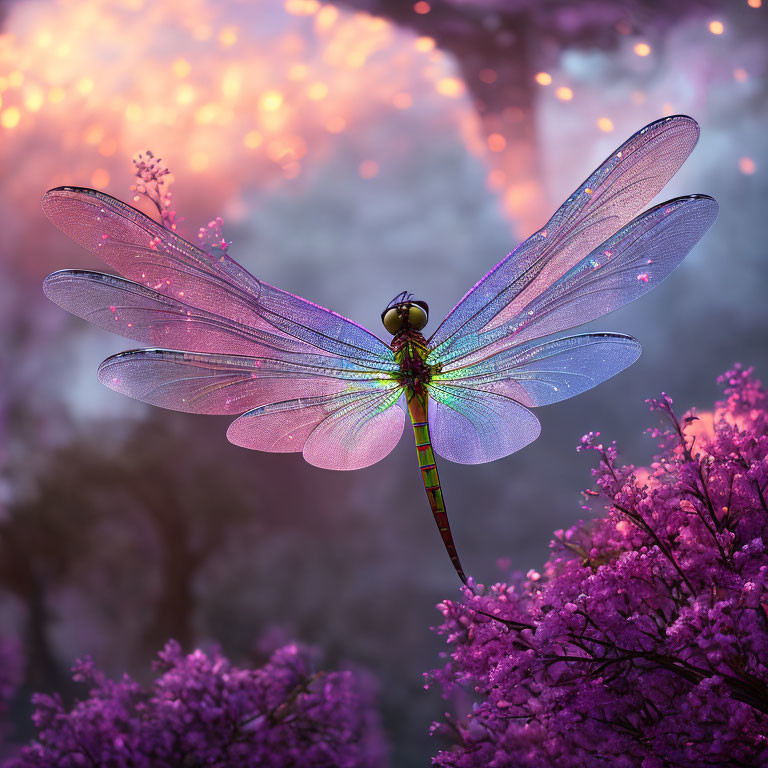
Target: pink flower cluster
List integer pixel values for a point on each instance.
(644, 642)
(153, 180)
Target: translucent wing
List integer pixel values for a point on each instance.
(228, 384)
(637, 258)
(472, 426)
(542, 373)
(607, 200)
(479, 412)
(143, 251)
(342, 431)
(132, 310)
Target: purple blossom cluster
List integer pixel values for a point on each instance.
(644, 641)
(203, 711)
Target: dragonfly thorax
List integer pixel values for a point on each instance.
(411, 351)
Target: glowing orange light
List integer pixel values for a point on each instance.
(368, 169)
(56, 95)
(740, 75)
(747, 166)
(424, 44)
(564, 93)
(10, 117)
(44, 38)
(402, 100)
(450, 86)
(488, 76)
(133, 112)
(754, 3)
(185, 94)
(181, 67)
(231, 82)
(34, 99)
(301, 7)
(605, 124)
(716, 27)
(317, 91)
(422, 7)
(642, 49)
(356, 59)
(228, 37)
(496, 142)
(271, 101)
(100, 178)
(84, 85)
(543, 78)
(253, 139)
(207, 113)
(335, 124)
(326, 17)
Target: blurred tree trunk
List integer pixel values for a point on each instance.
(173, 611)
(42, 672)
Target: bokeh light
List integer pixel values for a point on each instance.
(747, 166)
(642, 49)
(716, 27)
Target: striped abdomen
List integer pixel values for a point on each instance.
(417, 407)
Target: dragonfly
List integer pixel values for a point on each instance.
(301, 378)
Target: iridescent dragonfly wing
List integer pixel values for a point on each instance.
(141, 250)
(469, 425)
(142, 314)
(249, 345)
(623, 268)
(342, 431)
(480, 412)
(604, 203)
(230, 384)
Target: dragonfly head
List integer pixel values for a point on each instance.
(403, 312)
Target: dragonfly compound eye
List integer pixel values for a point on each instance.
(393, 319)
(413, 314)
(417, 316)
